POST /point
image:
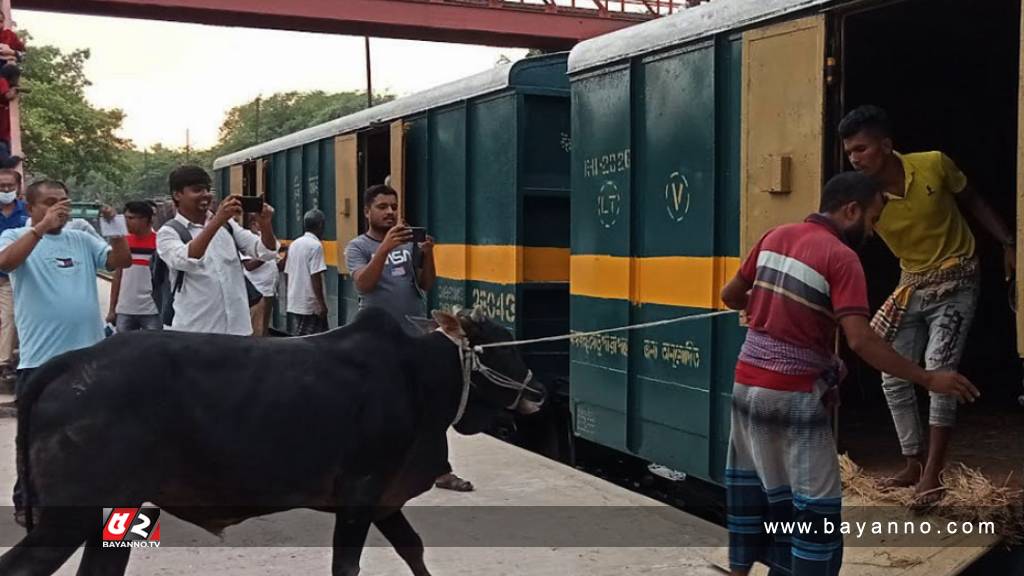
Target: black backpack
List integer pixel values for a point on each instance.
(164, 291)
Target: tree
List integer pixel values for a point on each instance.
(63, 135)
(264, 119)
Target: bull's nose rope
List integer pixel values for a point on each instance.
(480, 347)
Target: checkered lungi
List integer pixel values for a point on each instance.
(782, 467)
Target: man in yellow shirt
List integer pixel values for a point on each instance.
(931, 310)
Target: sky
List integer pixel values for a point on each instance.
(170, 77)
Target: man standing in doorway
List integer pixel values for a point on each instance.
(797, 285)
(304, 269)
(931, 310)
(13, 214)
(392, 273)
(132, 306)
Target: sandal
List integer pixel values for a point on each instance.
(928, 499)
(450, 481)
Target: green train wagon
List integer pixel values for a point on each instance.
(482, 163)
(695, 133)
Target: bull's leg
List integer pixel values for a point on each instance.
(99, 561)
(405, 540)
(349, 537)
(54, 539)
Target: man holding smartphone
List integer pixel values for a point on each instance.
(389, 269)
(202, 248)
(392, 271)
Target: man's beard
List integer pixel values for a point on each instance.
(856, 236)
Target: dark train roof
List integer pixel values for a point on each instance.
(525, 73)
(690, 24)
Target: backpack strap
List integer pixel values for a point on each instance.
(186, 237)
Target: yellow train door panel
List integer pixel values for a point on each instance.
(398, 163)
(1020, 204)
(346, 177)
(782, 124)
(237, 181)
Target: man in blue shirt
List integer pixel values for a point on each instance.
(56, 306)
(13, 214)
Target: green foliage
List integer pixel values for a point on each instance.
(63, 135)
(278, 115)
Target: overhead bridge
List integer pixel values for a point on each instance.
(545, 24)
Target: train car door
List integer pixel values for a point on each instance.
(398, 163)
(782, 125)
(346, 178)
(1019, 294)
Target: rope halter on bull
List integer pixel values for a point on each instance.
(469, 355)
(469, 359)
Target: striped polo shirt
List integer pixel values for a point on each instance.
(136, 294)
(805, 278)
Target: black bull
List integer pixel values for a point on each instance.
(217, 429)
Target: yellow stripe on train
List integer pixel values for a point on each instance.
(688, 281)
(502, 264)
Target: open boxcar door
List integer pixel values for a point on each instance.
(782, 125)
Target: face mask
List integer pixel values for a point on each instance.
(8, 197)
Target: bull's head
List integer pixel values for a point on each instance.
(500, 380)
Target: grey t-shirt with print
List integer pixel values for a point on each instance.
(396, 291)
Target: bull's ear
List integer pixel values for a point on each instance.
(423, 325)
(449, 323)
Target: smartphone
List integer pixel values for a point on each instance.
(418, 234)
(253, 204)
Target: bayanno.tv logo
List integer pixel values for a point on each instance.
(131, 527)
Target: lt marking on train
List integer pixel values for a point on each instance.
(608, 204)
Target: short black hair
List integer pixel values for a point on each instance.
(141, 207)
(313, 221)
(32, 192)
(865, 118)
(848, 187)
(377, 190)
(189, 175)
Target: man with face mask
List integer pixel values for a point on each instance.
(796, 285)
(13, 214)
(935, 300)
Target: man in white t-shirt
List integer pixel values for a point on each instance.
(264, 276)
(307, 306)
(132, 306)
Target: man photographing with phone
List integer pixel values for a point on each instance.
(202, 249)
(392, 271)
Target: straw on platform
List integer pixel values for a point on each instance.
(969, 496)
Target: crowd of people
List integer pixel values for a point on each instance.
(201, 271)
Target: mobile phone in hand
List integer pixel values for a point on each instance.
(252, 204)
(418, 234)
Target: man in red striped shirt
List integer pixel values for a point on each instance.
(132, 306)
(797, 285)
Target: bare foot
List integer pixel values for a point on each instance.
(909, 476)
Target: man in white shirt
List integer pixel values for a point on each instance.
(212, 297)
(307, 307)
(264, 276)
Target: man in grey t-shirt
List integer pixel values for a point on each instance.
(389, 271)
(392, 273)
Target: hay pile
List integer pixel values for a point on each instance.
(969, 497)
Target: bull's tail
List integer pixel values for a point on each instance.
(27, 396)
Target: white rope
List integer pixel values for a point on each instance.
(480, 348)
